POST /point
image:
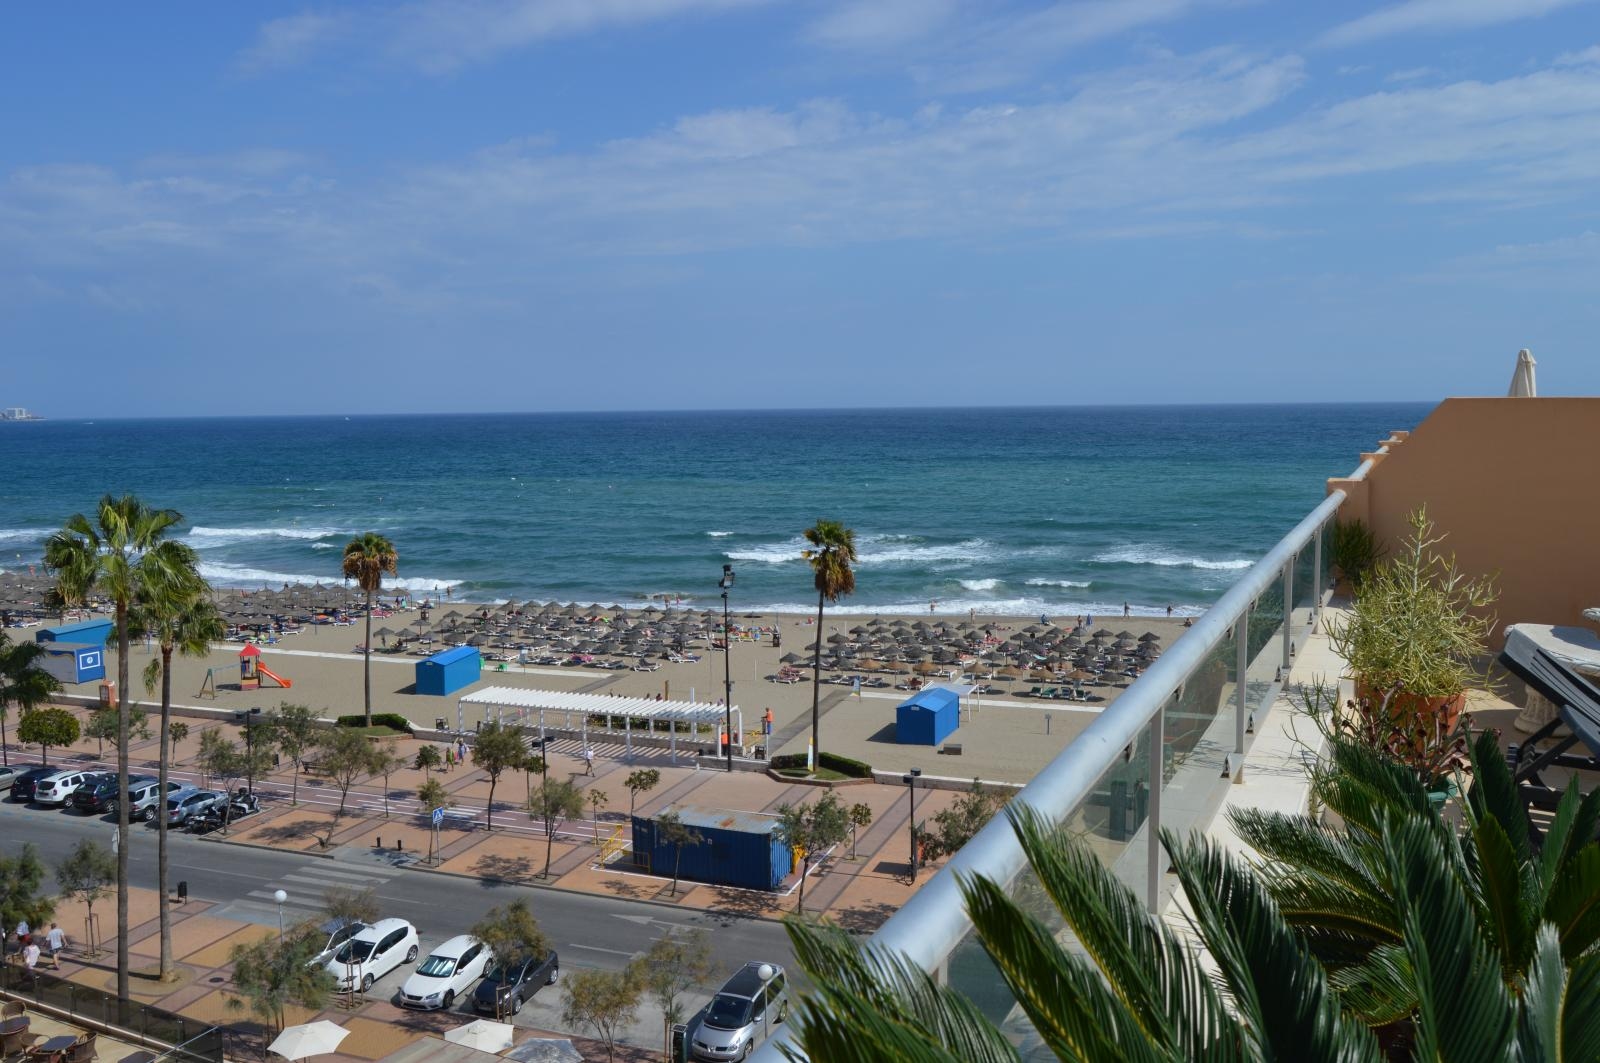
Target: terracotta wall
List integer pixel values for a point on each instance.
(1513, 482)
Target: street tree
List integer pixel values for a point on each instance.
(597, 797)
(221, 759)
(671, 828)
(344, 755)
(47, 727)
(813, 829)
(173, 606)
(103, 724)
(860, 820)
(957, 825)
(122, 550)
(603, 1001)
(85, 875)
(641, 781)
(350, 904)
(496, 750)
(428, 758)
(21, 896)
(669, 968)
(552, 802)
(432, 795)
(269, 975)
(293, 730)
(512, 934)
(22, 682)
(386, 760)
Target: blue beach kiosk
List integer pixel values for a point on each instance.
(927, 717)
(449, 670)
(87, 632)
(74, 662)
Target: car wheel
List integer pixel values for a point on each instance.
(449, 998)
(516, 1004)
(749, 1046)
(411, 954)
(366, 982)
(555, 972)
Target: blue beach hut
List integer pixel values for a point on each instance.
(736, 849)
(448, 671)
(74, 662)
(86, 632)
(927, 717)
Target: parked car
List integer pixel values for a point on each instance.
(449, 970)
(184, 804)
(372, 953)
(8, 775)
(98, 795)
(56, 789)
(22, 789)
(509, 985)
(144, 796)
(742, 1014)
(338, 933)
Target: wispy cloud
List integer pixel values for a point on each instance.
(1438, 16)
(440, 36)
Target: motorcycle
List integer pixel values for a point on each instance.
(204, 822)
(243, 803)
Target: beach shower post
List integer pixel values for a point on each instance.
(726, 583)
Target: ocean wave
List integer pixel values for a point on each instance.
(876, 550)
(226, 575)
(25, 535)
(1153, 555)
(771, 554)
(199, 536)
(719, 534)
(979, 584)
(1078, 583)
(1012, 607)
(324, 546)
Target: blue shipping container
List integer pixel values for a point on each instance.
(449, 670)
(737, 849)
(74, 662)
(87, 632)
(927, 717)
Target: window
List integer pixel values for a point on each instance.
(392, 940)
(437, 967)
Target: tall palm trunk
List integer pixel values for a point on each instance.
(366, 659)
(816, 690)
(161, 811)
(122, 805)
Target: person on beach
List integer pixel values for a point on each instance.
(1169, 612)
(57, 942)
(30, 959)
(1124, 610)
(588, 761)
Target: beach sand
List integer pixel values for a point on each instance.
(1003, 739)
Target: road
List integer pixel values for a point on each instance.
(588, 930)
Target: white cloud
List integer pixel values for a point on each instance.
(439, 36)
(1438, 16)
(874, 24)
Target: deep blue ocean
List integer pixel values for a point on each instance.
(1020, 511)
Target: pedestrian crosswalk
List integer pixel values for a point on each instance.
(305, 886)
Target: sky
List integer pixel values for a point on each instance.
(218, 209)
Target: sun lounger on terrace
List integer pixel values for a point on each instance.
(1577, 703)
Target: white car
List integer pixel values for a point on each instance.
(372, 953)
(449, 970)
(55, 789)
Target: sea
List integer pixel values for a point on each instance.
(1016, 511)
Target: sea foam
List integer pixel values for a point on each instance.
(1154, 555)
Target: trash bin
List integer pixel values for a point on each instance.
(680, 1043)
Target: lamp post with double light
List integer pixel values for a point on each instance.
(726, 583)
(911, 786)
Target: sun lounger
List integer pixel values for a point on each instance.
(1577, 703)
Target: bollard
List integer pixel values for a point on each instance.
(183, 890)
(379, 843)
(399, 845)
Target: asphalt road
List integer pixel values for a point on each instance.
(588, 930)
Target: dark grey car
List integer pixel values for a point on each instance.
(510, 986)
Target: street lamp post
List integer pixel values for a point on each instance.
(280, 897)
(726, 583)
(911, 787)
(248, 720)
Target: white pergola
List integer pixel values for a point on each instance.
(522, 704)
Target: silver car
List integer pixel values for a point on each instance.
(741, 1015)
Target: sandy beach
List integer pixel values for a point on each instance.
(1004, 738)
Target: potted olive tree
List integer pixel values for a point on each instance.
(1416, 633)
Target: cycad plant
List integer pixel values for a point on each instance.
(1132, 989)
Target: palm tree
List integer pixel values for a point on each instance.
(833, 552)
(366, 558)
(22, 682)
(121, 550)
(179, 614)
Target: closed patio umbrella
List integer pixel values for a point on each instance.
(1522, 379)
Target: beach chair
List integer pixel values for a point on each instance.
(1577, 703)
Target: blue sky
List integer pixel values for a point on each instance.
(633, 204)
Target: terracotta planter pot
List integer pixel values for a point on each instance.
(1403, 706)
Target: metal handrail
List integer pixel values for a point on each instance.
(929, 926)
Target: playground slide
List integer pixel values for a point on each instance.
(274, 676)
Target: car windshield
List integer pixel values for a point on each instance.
(728, 1013)
(355, 952)
(437, 967)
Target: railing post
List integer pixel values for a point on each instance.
(1288, 614)
(1158, 749)
(1241, 640)
(1316, 578)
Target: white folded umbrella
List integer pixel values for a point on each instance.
(1522, 378)
(311, 1039)
(483, 1035)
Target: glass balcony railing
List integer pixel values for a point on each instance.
(1195, 705)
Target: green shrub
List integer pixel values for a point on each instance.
(850, 769)
(391, 720)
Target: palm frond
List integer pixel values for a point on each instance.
(1560, 1014)
(1573, 903)
(1494, 793)
(1571, 829)
(1282, 994)
(1500, 888)
(1381, 989)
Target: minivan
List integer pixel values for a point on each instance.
(55, 789)
(742, 1014)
